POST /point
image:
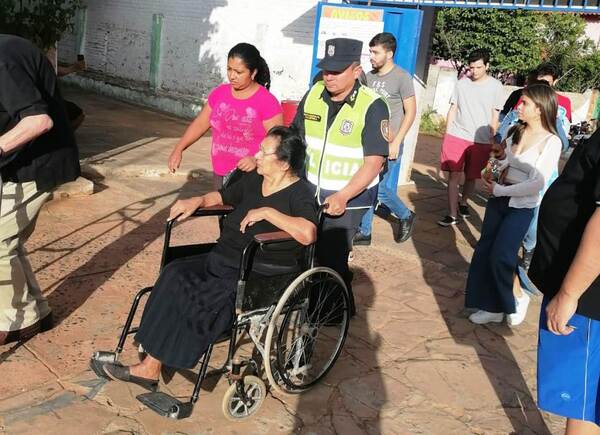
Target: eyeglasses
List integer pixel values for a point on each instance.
(264, 153)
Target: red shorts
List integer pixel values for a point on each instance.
(460, 155)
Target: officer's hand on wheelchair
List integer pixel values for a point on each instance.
(247, 164)
(336, 204)
(183, 208)
(253, 216)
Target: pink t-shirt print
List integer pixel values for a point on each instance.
(237, 125)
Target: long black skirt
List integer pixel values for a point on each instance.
(191, 305)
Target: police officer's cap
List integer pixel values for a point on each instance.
(340, 53)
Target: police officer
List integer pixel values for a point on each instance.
(345, 126)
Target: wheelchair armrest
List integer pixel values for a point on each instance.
(213, 210)
(260, 240)
(273, 237)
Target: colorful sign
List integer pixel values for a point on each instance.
(355, 23)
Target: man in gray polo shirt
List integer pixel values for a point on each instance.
(395, 85)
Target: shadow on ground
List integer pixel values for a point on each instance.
(488, 342)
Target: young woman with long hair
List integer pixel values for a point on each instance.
(532, 151)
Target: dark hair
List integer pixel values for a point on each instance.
(479, 54)
(251, 57)
(386, 40)
(547, 69)
(291, 149)
(544, 97)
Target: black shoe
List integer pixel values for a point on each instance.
(463, 210)
(526, 260)
(360, 239)
(122, 373)
(382, 211)
(41, 325)
(447, 221)
(404, 228)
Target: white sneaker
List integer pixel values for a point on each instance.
(482, 317)
(521, 305)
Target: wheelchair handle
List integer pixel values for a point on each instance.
(321, 212)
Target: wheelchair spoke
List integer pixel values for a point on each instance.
(333, 311)
(311, 327)
(295, 349)
(321, 303)
(239, 406)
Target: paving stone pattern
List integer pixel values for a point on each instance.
(412, 363)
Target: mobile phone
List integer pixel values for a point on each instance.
(80, 57)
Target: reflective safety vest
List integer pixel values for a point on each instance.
(334, 155)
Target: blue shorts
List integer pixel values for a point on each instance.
(569, 369)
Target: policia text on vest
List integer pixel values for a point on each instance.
(336, 153)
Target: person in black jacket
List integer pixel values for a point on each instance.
(566, 269)
(37, 153)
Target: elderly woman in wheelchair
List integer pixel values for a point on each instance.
(250, 281)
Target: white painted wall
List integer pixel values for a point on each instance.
(196, 36)
(592, 28)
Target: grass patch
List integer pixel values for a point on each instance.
(432, 123)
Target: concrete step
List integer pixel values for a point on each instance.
(80, 187)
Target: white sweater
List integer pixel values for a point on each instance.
(535, 165)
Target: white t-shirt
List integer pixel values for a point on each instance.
(475, 102)
(529, 172)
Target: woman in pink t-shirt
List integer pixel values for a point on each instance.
(239, 113)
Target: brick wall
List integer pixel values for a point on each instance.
(196, 36)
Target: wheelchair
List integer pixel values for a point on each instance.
(296, 316)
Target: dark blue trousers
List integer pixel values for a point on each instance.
(494, 262)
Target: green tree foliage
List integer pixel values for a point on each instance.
(41, 21)
(518, 41)
(511, 38)
(582, 74)
(565, 44)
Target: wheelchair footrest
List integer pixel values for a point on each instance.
(166, 405)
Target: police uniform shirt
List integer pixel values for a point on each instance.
(374, 141)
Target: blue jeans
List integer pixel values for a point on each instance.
(490, 280)
(530, 239)
(387, 194)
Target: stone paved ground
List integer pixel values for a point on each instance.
(412, 363)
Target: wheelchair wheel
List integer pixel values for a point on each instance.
(307, 330)
(242, 399)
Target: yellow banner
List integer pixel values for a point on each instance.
(337, 13)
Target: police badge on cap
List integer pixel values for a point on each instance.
(340, 53)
